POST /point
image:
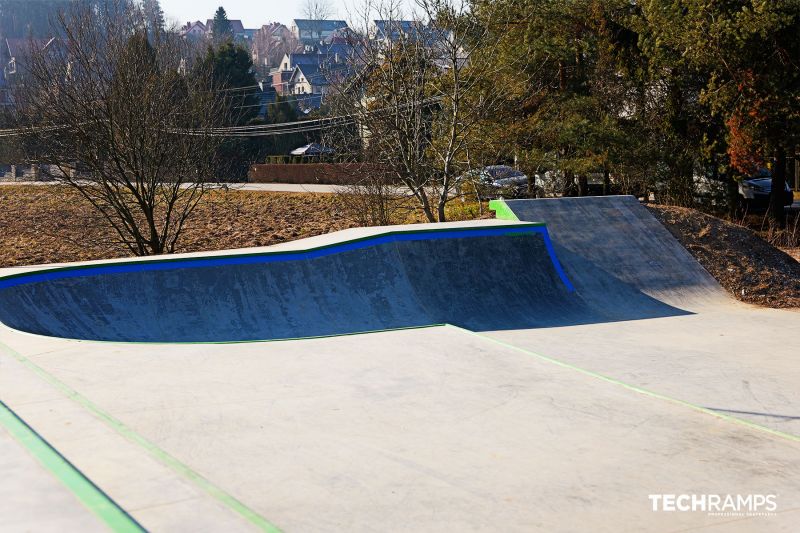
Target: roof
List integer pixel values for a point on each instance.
(311, 73)
(319, 25)
(392, 29)
(303, 59)
(236, 25)
(190, 25)
(20, 47)
(318, 74)
(328, 50)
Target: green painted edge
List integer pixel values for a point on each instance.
(635, 388)
(89, 494)
(264, 253)
(220, 495)
(502, 211)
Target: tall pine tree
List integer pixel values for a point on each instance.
(154, 16)
(221, 30)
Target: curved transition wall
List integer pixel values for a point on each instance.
(480, 277)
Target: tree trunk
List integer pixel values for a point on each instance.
(732, 193)
(440, 211)
(777, 214)
(606, 182)
(569, 183)
(583, 185)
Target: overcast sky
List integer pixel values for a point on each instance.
(253, 13)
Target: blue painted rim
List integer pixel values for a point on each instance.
(280, 256)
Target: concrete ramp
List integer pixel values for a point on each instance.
(481, 276)
(615, 252)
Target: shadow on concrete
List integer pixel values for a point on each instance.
(753, 413)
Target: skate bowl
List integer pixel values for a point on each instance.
(481, 277)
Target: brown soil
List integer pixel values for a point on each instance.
(750, 268)
(53, 224)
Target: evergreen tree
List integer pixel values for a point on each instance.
(221, 31)
(154, 16)
(232, 71)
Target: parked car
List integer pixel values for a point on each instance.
(756, 191)
(312, 150)
(498, 180)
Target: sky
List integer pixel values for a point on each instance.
(253, 13)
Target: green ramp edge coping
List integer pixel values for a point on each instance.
(89, 494)
(501, 210)
(180, 468)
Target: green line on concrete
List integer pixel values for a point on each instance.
(89, 494)
(220, 495)
(637, 389)
(502, 210)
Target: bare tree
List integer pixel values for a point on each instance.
(419, 93)
(317, 9)
(122, 120)
(270, 43)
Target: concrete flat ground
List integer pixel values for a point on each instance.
(740, 361)
(32, 499)
(426, 430)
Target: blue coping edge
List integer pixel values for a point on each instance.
(276, 257)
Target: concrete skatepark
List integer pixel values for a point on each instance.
(547, 371)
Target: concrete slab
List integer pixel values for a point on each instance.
(32, 499)
(422, 430)
(739, 362)
(141, 482)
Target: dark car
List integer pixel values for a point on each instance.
(498, 180)
(756, 191)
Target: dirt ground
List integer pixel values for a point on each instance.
(52, 224)
(746, 265)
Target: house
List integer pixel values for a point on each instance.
(240, 34)
(311, 32)
(266, 97)
(392, 30)
(5, 96)
(15, 53)
(194, 30)
(282, 75)
(308, 79)
(269, 44)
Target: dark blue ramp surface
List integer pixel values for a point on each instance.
(479, 278)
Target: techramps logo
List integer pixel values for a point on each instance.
(716, 504)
